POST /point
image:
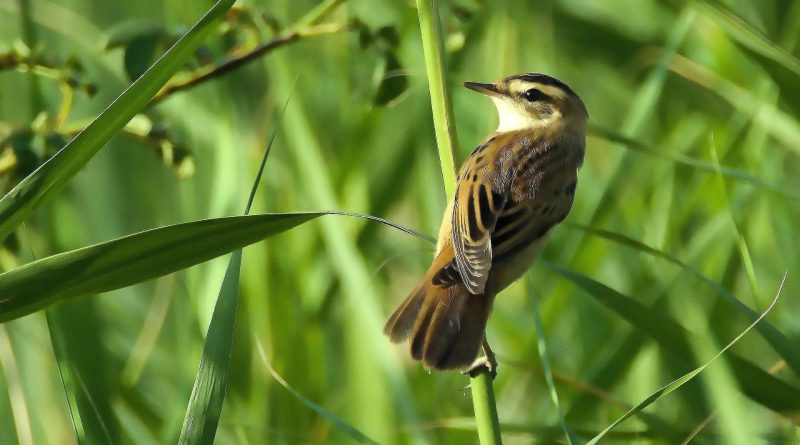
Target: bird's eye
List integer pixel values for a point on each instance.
(532, 95)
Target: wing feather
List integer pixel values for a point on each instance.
(511, 191)
(480, 198)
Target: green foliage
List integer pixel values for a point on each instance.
(132, 259)
(684, 221)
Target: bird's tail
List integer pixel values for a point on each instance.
(445, 324)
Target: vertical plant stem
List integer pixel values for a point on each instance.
(483, 401)
(486, 419)
(433, 48)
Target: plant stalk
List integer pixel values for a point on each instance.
(483, 401)
(442, 108)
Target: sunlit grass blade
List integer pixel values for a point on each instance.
(744, 250)
(335, 420)
(641, 107)
(19, 405)
(782, 125)
(672, 386)
(757, 384)
(50, 177)
(787, 349)
(366, 361)
(747, 35)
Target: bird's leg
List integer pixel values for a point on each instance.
(487, 363)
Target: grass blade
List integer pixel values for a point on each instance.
(787, 349)
(50, 177)
(677, 383)
(541, 346)
(698, 164)
(208, 392)
(757, 384)
(139, 257)
(747, 35)
(339, 423)
(132, 259)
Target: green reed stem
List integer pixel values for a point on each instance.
(486, 419)
(483, 401)
(442, 108)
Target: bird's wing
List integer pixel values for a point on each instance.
(506, 198)
(480, 198)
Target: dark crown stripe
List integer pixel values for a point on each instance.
(543, 79)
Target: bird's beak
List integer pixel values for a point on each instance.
(488, 89)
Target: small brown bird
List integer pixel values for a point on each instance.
(511, 191)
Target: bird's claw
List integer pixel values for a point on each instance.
(486, 364)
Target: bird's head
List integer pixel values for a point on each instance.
(533, 100)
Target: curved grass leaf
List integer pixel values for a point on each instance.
(787, 349)
(139, 257)
(50, 177)
(677, 383)
(757, 384)
(335, 420)
(698, 164)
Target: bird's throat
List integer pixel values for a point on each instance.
(511, 117)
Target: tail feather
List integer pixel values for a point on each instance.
(398, 326)
(446, 325)
(457, 330)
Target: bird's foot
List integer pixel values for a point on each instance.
(486, 364)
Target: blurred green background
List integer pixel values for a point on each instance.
(693, 151)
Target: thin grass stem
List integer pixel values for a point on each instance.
(483, 399)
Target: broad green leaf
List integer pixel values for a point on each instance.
(135, 258)
(51, 176)
(132, 259)
(677, 383)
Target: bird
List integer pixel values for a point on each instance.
(510, 192)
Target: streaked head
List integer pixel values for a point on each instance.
(526, 101)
